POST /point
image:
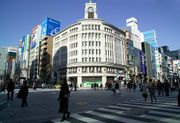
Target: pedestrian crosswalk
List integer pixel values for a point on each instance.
(165, 110)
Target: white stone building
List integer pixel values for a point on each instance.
(88, 51)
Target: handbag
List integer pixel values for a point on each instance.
(19, 94)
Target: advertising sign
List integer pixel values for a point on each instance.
(143, 68)
(50, 27)
(35, 36)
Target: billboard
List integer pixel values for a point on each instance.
(35, 37)
(143, 66)
(50, 27)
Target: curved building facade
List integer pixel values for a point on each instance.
(89, 51)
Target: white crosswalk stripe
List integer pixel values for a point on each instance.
(165, 110)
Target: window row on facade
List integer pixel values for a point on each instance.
(73, 60)
(109, 45)
(108, 37)
(91, 59)
(73, 53)
(91, 27)
(73, 37)
(106, 29)
(91, 43)
(91, 36)
(109, 53)
(74, 45)
(74, 30)
(91, 69)
(91, 51)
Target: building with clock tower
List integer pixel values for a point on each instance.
(90, 10)
(89, 51)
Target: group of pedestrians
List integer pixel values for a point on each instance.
(149, 87)
(22, 94)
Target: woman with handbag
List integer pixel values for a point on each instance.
(64, 100)
(23, 93)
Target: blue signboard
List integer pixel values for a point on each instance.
(50, 27)
(143, 66)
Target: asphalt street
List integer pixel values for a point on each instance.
(85, 106)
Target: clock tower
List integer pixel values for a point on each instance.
(90, 10)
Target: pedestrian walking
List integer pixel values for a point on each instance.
(134, 86)
(10, 89)
(152, 90)
(145, 86)
(101, 86)
(117, 88)
(178, 98)
(166, 87)
(64, 100)
(23, 93)
(34, 86)
(75, 86)
(159, 87)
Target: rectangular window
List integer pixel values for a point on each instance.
(89, 43)
(96, 43)
(92, 43)
(93, 59)
(96, 59)
(85, 43)
(89, 51)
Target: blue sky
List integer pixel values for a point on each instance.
(18, 17)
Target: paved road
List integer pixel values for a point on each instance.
(85, 106)
(165, 110)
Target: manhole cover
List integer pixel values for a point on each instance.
(136, 111)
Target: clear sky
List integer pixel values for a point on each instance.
(18, 17)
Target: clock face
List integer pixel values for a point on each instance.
(90, 9)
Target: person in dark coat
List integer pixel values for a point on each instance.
(64, 100)
(24, 93)
(10, 89)
(178, 98)
(166, 87)
(152, 90)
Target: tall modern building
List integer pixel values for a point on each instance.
(24, 51)
(130, 55)
(147, 60)
(11, 62)
(34, 52)
(91, 50)
(3, 60)
(175, 54)
(150, 37)
(132, 25)
(41, 49)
